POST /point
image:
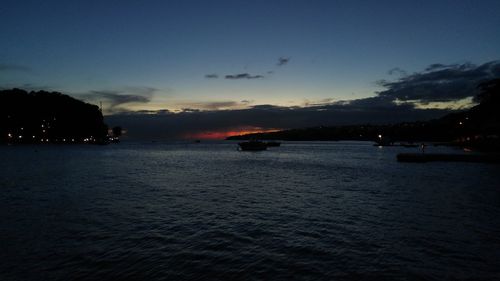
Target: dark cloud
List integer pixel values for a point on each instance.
(318, 102)
(243, 76)
(397, 103)
(373, 110)
(267, 107)
(440, 83)
(148, 112)
(380, 103)
(212, 76)
(14, 67)
(282, 61)
(190, 110)
(215, 105)
(436, 66)
(176, 125)
(114, 100)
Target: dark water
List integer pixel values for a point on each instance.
(303, 211)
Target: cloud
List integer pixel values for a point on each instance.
(282, 61)
(436, 66)
(148, 112)
(212, 105)
(14, 67)
(324, 101)
(212, 76)
(243, 76)
(398, 102)
(440, 83)
(114, 100)
(176, 125)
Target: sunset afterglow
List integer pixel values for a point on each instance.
(198, 70)
(220, 135)
(250, 140)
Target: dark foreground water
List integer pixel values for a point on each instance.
(303, 211)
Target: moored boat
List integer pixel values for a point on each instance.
(253, 145)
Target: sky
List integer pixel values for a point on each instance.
(170, 69)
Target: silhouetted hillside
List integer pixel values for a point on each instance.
(41, 117)
(478, 126)
(409, 131)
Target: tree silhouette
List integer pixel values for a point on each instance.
(43, 116)
(117, 131)
(489, 92)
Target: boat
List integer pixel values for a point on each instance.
(253, 145)
(273, 143)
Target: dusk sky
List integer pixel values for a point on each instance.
(212, 67)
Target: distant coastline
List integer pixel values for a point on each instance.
(478, 127)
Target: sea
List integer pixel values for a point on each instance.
(206, 211)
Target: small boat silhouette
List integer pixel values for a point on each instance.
(253, 145)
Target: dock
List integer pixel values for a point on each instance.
(434, 157)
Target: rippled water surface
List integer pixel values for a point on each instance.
(303, 211)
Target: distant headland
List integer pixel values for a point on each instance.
(477, 127)
(49, 117)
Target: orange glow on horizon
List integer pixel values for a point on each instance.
(220, 135)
